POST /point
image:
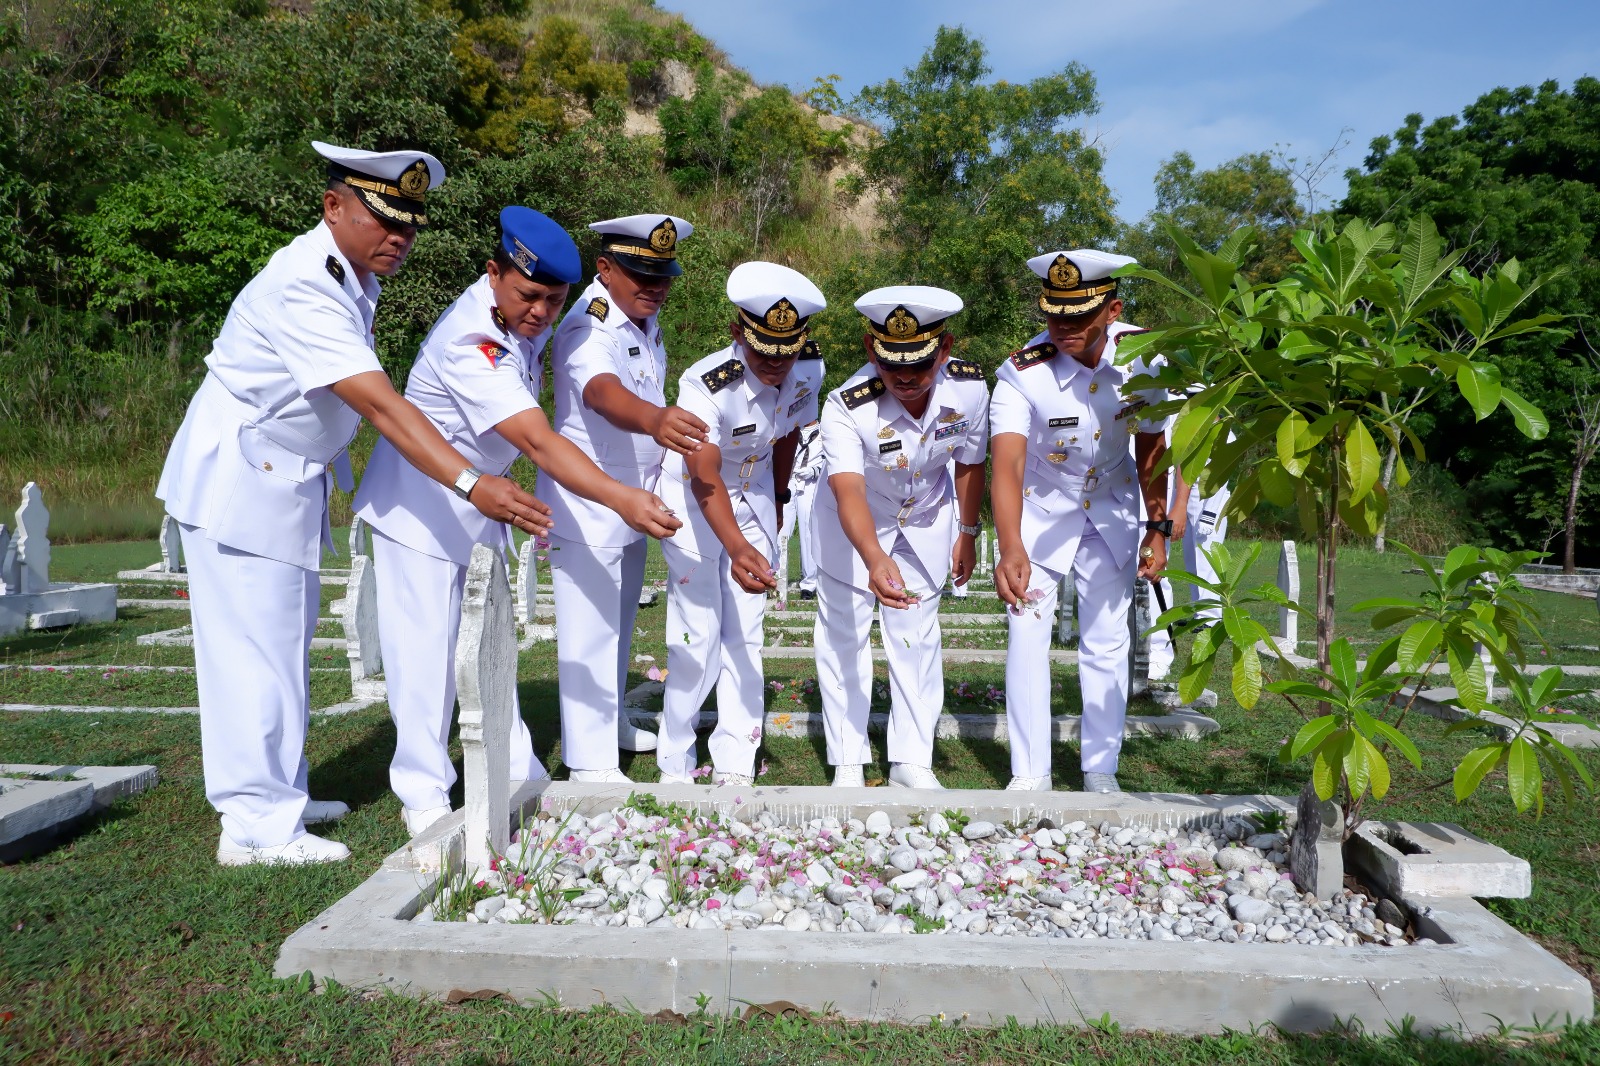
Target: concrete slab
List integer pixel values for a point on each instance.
(1435, 702)
(1480, 974)
(37, 808)
(1060, 656)
(357, 702)
(183, 637)
(164, 577)
(1437, 859)
(174, 604)
(62, 604)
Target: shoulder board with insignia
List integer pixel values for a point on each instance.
(962, 368)
(499, 320)
(336, 269)
(865, 392)
(1032, 355)
(598, 308)
(810, 350)
(723, 376)
(1131, 333)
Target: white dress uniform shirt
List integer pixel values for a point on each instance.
(713, 625)
(248, 480)
(471, 374)
(596, 559)
(596, 338)
(1080, 516)
(908, 465)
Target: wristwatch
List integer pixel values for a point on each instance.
(466, 480)
(1164, 527)
(971, 531)
(783, 495)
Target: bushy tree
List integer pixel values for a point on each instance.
(978, 176)
(1515, 175)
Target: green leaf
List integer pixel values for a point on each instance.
(1312, 734)
(1401, 742)
(1362, 464)
(1466, 673)
(1192, 684)
(1342, 664)
(1324, 770)
(1377, 767)
(1295, 440)
(1358, 765)
(1523, 780)
(1277, 485)
(1529, 419)
(1475, 766)
(1246, 675)
(1480, 386)
(1417, 644)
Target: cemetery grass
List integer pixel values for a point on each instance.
(128, 943)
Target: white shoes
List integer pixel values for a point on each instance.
(905, 775)
(735, 779)
(633, 738)
(1029, 784)
(674, 779)
(1100, 782)
(300, 851)
(319, 811)
(418, 821)
(849, 775)
(613, 776)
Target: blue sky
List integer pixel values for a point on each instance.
(1216, 79)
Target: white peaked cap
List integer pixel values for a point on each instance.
(755, 287)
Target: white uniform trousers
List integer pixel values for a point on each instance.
(722, 624)
(597, 598)
(419, 616)
(1206, 529)
(912, 642)
(253, 622)
(1105, 593)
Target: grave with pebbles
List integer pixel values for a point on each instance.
(641, 865)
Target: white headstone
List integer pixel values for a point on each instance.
(8, 562)
(1289, 582)
(1067, 611)
(362, 644)
(783, 569)
(358, 537)
(1140, 619)
(985, 564)
(486, 686)
(33, 542)
(527, 582)
(171, 546)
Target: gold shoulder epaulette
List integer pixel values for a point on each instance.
(723, 376)
(599, 308)
(962, 368)
(1032, 355)
(865, 392)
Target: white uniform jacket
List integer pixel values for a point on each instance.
(1079, 424)
(596, 338)
(471, 374)
(250, 463)
(746, 418)
(907, 462)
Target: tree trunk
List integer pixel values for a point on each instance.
(1569, 552)
(1380, 539)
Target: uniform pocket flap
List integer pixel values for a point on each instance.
(262, 453)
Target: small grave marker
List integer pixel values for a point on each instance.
(358, 537)
(1289, 582)
(171, 546)
(33, 543)
(362, 644)
(486, 685)
(10, 581)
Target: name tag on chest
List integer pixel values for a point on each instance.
(633, 350)
(890, 446)
(742, 430)
(954, 429)
(1063, 423)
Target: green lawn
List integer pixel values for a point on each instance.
(128, 943)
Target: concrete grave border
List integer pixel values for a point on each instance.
(1481, 973)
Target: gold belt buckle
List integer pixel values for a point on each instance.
(749, 465)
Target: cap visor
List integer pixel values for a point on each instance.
(1053, 306)
(905, 355)
(398, 209)
(638, 264)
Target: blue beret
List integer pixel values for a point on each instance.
(539, 248)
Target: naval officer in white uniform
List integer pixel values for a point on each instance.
(904, 442)
(1066, 502)
(753, 396)
(290, 377)
(803, 496)
(477, 377)
(610, 368)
